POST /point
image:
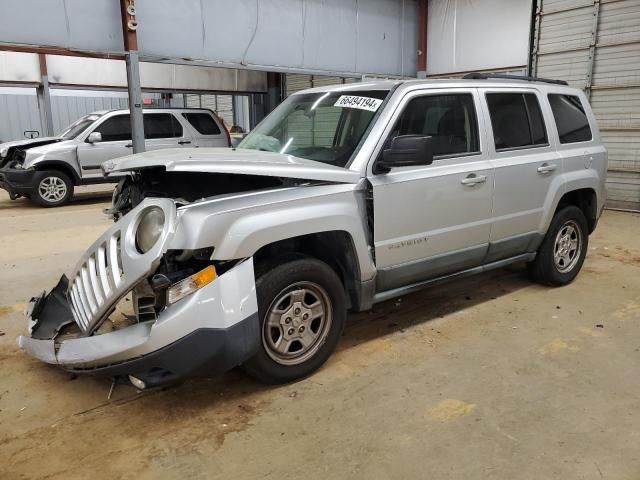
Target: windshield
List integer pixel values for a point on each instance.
(325, 126)
(79, 126)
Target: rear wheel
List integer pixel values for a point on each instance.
(52, 188)
(302, 311)
(563, 249)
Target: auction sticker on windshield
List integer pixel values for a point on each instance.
(363, 103)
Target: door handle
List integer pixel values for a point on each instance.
(184, 142)
(547, 168)
(473, 179)
(129, 145)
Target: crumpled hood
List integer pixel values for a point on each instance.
(225, 160)
(27, 142)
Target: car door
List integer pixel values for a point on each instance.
(163, 130)
(433, 220)
(116, 142)
(525, 162)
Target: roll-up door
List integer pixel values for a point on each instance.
(297, 82)
(595, 45)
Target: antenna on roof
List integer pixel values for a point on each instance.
(504, 76)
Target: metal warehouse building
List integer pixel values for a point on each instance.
(592, 44)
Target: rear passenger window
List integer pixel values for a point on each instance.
(203, 123)
(571, 121)
(449, 119)
(517, 120)
(161, 125)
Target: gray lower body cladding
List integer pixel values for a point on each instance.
(17, 182)
(203, 352)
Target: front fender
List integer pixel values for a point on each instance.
(239, 227)
(65, 157)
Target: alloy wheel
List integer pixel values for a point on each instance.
(297, 323)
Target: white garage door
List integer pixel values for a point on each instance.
(595, 45)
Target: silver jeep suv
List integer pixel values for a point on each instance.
(342, 197)
(47, 169)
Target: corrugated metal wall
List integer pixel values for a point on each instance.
(67, 108)
(222, 105)
(296, 82)
(595, 45)
(19, 108)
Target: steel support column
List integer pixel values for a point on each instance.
(135, 101)
(421, 60)
(129, 26)
(44, 99)
(533, 60)
(592, 47)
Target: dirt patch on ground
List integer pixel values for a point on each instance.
(513, 374)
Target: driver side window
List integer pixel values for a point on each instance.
(450, 120)
(115, 129)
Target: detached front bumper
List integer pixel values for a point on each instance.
(17, 182)
(210, 331)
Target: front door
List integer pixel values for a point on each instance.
(434, 220)
(116, 142)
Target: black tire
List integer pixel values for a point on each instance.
(544, 269)
(278, 283)
(61, 179)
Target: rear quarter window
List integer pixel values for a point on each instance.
(571, 120)
(202, 122)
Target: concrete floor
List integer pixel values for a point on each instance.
(492, 377)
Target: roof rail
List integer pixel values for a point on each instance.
(487, 76)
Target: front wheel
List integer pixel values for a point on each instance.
(563, 249)
(52, 188)
(302, 311)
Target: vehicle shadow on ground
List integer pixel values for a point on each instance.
(386, 318)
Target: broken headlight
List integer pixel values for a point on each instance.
(149, 228)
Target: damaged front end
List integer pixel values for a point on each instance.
(134, 306)
(15, 177)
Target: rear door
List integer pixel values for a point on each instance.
(435, 219)
(163, 130)
(526, 163)
(206, 131)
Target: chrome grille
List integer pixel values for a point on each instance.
(95, 280)
(113, 266)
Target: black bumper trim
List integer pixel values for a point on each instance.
(17, 181)
(203, 352)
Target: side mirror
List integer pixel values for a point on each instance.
(406, 151)
(94, 137)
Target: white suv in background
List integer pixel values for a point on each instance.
(47, 169)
